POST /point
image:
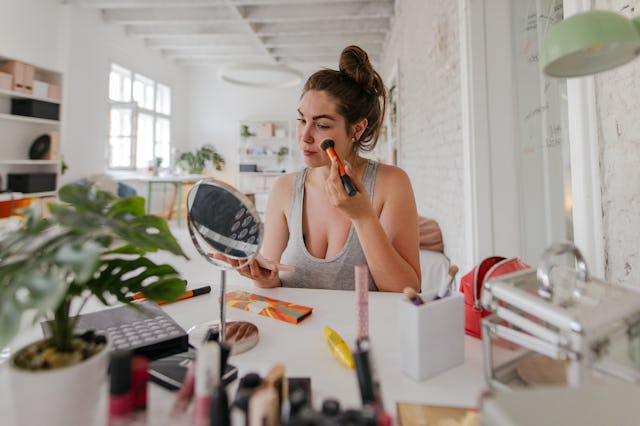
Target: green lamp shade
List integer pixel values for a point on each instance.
(588, 43)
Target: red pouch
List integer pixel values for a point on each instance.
(471, 285)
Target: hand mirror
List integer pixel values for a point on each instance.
(223, 222)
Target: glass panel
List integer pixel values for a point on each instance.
(143, 92)
(120, 137)
(163, 99)
(542, 130)
(163, 139)
(120, 152)
(144, 141)
(120, 122)
(119, 84)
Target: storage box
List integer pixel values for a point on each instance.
(264, 130)
(31, 182)
(34, 108)
(569, 328)
(248, 167)
(23, 75)
(54, 92)
(6, 81)
(40, 89)
(431, 335)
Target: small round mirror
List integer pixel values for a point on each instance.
(224, 224)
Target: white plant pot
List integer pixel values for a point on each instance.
(65, 396)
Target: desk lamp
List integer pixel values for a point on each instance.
(590, 42)
(226, 229)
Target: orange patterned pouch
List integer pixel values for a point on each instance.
(272, 308)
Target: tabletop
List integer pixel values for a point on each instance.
(303, 351)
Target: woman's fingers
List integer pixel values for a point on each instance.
(354, 179)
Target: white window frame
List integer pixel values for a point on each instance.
(136, 111)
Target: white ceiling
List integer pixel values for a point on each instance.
(196, 32)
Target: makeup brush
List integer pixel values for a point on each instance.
(447, 285)
(327, 146)
(412, 295)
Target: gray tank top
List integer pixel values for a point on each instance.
(335, 273)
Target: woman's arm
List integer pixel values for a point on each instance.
(276, 233)
(388, 232)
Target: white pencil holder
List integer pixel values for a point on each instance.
(431, 335)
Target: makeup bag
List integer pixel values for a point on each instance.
(471, 285)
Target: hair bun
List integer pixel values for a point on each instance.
(354, 63)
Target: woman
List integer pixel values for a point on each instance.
(311, 222)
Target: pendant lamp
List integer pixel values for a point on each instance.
(590, 42)
(256, 75)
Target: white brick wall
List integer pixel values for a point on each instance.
(425, 46)
(618, 107)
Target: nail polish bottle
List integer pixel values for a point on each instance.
(120, 400)
(139, 380)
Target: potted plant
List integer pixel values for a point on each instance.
(92, 244)
(195, 161)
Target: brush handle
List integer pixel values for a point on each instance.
(348, 185)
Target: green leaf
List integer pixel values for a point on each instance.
(166, 289)
(134, 205)
(45, 290)
(9, 320)
(150, 234)
(121, 276)
(82, 258)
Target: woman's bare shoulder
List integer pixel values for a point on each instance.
(283, 186)
(390, 176)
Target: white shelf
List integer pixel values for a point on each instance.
(25, 119)
(18, 132)
(258, 156)
(265, 139)
(7, 196)
(40, 194)
(260, 174)
(12, 94)
(29, 162)
(261, 149)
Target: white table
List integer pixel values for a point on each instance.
(177, 182)
(304, 352)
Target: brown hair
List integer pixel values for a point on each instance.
(358, 91)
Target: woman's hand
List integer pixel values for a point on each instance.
(354, 206)
(262, 277)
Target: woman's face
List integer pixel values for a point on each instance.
(317, 121)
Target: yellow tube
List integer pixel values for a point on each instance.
(339, 347)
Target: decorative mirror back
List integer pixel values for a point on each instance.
(225, 225)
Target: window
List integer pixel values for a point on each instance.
(139, 120)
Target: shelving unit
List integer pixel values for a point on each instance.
(18, 132)
(265, 152)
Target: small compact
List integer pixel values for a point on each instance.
(558, 326)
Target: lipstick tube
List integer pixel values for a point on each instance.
(185, 393)
(362, 300)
